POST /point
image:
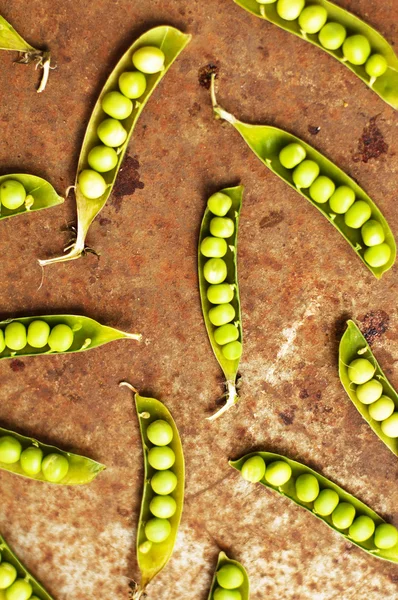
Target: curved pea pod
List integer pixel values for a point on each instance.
(39, 194)
(229, 367)
(289, 490)
(354, 345)
(266, 142)
(223, 560)
(171, 41)
(385, 86)
(154, 559)
(11, 40)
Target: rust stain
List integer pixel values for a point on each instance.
(272, 219)
(205, 73)
(371, 144)
(374, 324)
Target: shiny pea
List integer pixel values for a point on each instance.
(358, 214)
(292, 155)
(356, 49)
(111, 133)
(376, 65)
(12, 194)
(360, 371)
(221, 314)
(15, 336)
(132, 84)
(369, 392)
(377, 256)
(19, 590)
(92, 185)
(362, 529)
(219, 204)
(2, 341)
(149, 59)
(116, 105)
(222, 227)
(253, 469)
(332, 35)
(55, 467)
(164, 483)
(222, 594)
(305, 174)
(343, 515)
(145, 547)
(102, 159)
(278, 473)
(161, 457)
(157, 530)
(313, 18)
(307, 487)
(232, 350)
(160, 433)
(382, 408)
(386, 536)
(220, 293)
(326, 502)
(289, 10)
(10, 450)
(390, 426)
(31, 460)
(213, 247)
(8, 574)
(215, 270)
(226, 333)
(60, 338)
(372, 233)
(38, 332)
(342, 199)
(163, 507)
(322, 189)
(229, 577)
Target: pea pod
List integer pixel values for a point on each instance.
(153, 556)
(244, 587)
(171, 41)
(289, 490)
(39, 194)
(267, 143)
(385, 85)
(11, 40)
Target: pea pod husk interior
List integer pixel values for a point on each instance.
(224, 560)
(42, 194)
(386, 86)
(289, 491)
(171, 41)
(353, 345)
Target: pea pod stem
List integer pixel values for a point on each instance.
(232, 398)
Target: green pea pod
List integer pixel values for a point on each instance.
(244, 589)
(386, 86)
(11, 40)
(354, 345)
(288, 490)
(266, 142)
(229, 367)
(39, 194)
(171, 41)
(88, 334)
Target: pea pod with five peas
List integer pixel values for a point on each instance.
(336, 195)
(341, 511)
(365, 51)
(112, 123)
(21, 193)
(230, 581)
(163, 493)
(367, 386)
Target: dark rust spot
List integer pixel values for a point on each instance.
(287, 416)
(304, 394)
(194, 110)
(17, 365)
(374, 324)
(273, 218)
(104, 221)
(313, 129)
(371, 144)
(127, 182)
(205, 73)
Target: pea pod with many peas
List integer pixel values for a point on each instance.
(338, 197)
(230, 581)
(365, 51)
(21, 193)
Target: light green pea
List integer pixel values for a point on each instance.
(132, 84)
(12, 194)
(343, 515)
(55, 467)
(221, 314)
(386, 536)
(305, 174)
(10, 450)
(92, 185)
(332, 35)
(149, 59)
(221, 594)
(145, 547)
(116, 105)
(289, 10)
(313, 18)
(358, 214)
(111, 133)
(369, 392)
(382, 409)
(163, 507)
(376, 65)
(222, 227)
(377, 256)
(253, 469)
(356, 49)
(31, 460)
(8, 574)
(372, 233)
(38, 332)
(292, 155)
(226, 334)
(19, 590)
(2, 341)
(342, 199)
(362, 529)
(360, 371)
(215, 270)
(229, 577)
(213, 247)
(157, 530)
(102, 159)
(232, 350)
(326, 502)
(278, 473)
(164, 483)
(390, 426)
(161, 457)
(160, 433)
(15, 336)
(219, 204)
(322, 189)
(307, 487)
(60, 338)
(220, 294)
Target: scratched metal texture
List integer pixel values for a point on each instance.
(299, 282)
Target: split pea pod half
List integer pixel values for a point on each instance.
(218, 284)
(230, 581)
(338, 197)
(11, 40)
(341, 511)
(112, 123)
(367, 386)
(163, 493)
(21, 193)
(341, 34)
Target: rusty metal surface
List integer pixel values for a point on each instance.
(299, 281)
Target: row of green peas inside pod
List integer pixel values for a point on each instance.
(220, 292)
(229, 579)
(54, 467)
(342, 201)
(313, 19)
(323, 502)
(13, 587)
(369, 391)
(39, 334)
(118, 105)
(13, 195)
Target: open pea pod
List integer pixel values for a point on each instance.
(171, 41)
(11, 40)
(223, 560)
(266, 142)
(229, 367)
(289, 490)
(353, 345)
(386, 86)
(39, 194)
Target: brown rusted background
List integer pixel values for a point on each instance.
(299, 282)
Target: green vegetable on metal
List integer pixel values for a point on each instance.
(230, 580)
(21, 193)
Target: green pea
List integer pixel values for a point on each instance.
(2, 341)
(161, 457)
(356, 49)
(313, 18)
(221, 314)
(38, 332)
(149, 59)
(19, 590)
(342, 199)
(111, 133)
(369, 392)
(10, 450)
(322, 189)
(55, 467)
(362, 529)
(253, 469)
(215, 270)
(360, 371)
(343, 515)
(377, 256)
(60, 338)
(289, 10)
(213, 247)
(326, 502)
(382, 409)
(116, 105)
(222, 227)
(307, 487)
(31, 460)
(8, 575)
(358, 214)
(225, 334)
(164, 482)
(386, 536)
(305, 174)
(12, 194)
(102, 159)
(232, 350)
(221, 594)
(15, 336)
(163, 507)
(160, 433)
(220, 294)
(132, 84)
(145, 547)
(332, 36)
(292, 155)
(373, 233)
(278, 473)
(229, 577)
(219, 204)
(157, 530)
(92, 185)
(376, 65)
(390, 426)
